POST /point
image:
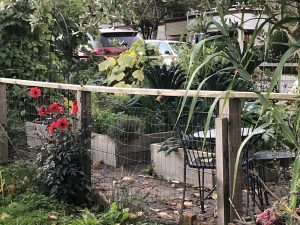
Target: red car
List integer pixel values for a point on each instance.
(114, 41)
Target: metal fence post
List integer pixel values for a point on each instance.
(84, 121)
(3, 122)
(222, 175)
(231, 109)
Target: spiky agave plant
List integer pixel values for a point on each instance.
(164, 77)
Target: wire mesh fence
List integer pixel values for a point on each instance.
(138, 152)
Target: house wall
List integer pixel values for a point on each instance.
(172, 29)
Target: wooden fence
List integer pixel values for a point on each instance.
(228, 129)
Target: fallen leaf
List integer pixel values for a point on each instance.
(188, 204)
(164, 215)
(11, 189)
(214, 195)
(154, 210)
(127, 178)
(175, 182)
(178, 206)
(135, 215)
(97, 165)
(3, 216)
(196, 195)
(52, 216)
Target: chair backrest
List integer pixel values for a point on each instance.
(199, 148)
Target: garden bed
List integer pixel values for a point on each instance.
(105, 149)
(120, 153)
(170, 167)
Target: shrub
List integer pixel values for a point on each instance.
(126, 128)
(19, 177)
(113, 216)
(64, 156)
(102, 119)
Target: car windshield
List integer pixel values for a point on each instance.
(121, 39)
(177, 46)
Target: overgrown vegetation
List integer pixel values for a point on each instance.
(271, 114)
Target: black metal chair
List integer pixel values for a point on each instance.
(253, 182)
(259, 167)
(199, 150)
(199, 153)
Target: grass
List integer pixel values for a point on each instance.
(32, 208)
(23, 203)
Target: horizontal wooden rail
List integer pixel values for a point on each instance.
(146, 91)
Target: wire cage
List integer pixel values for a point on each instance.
(138, 156)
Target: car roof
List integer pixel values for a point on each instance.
(116, 30)
(168, 41)
(164, 41)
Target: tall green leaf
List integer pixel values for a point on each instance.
(207, 60)
(278, 71)
(254, 132)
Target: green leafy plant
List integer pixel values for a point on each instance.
(19, 177)
(163, 77)
(126, 70)
(32, 208)
(102, 120)
(125, 128)
(161, 109)
(113, 217)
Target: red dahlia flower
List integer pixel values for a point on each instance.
(62, 123)
(51, 128)
(298, 210)
(43, 111)
(54, 107)
(74, 108)
(61, 110)
(35, 92)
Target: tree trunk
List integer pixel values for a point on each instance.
(155, 29)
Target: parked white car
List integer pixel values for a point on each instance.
(168, 50)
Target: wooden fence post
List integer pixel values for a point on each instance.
(84, 121)
(232, 111)
(223, 204)
(3, 121)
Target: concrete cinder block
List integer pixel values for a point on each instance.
(36, 134)
(118, 153)
(171, 167)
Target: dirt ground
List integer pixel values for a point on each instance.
(159, 199)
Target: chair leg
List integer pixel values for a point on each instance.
(202, 192)
(183, 193)
(253, 195)
(247, 183)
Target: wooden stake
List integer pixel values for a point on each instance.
(223, 205)
(231, 109)
(3, 122)
(84, 121)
